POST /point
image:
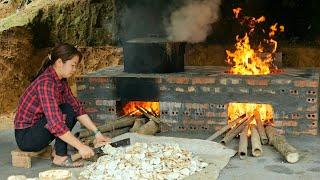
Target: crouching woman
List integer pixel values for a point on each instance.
(48, 110)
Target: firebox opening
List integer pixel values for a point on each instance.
(238, 111)
(137, 108)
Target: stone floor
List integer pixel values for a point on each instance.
(270, 166)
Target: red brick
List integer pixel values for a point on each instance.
(305, 83)
(210, 114)
(178, 80)
(203, 80)
(217, 122)
(286, 123)
(313, 132)
(193, 122)
(254, 82)
(196, 106)
(91, 110)
(98, 79)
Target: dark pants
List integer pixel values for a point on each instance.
(38, 137)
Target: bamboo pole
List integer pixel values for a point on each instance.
(225, 128)
(243, 143)
(235, 132)
(260, 127)
(119, 123)
(255, 141)
(279, 142)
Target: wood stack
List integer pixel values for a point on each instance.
(148, 124)
(260, 135)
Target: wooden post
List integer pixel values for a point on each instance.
(243, 143)
(235, 132)
(225, 128)
(260, 127)
(255, 141)
(279, 142)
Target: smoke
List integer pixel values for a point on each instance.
(192, 22)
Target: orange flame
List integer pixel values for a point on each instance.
(130, 107)
(235, 110)
(236, 12)
(248, 61)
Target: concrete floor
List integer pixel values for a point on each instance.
(269, 166)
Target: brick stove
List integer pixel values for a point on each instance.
(196, 100)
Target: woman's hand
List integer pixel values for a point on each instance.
(101, 140)
(85, 152)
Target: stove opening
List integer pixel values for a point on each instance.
(236, 111)
(136, 108)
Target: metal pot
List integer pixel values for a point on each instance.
(153, 55)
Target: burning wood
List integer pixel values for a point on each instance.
(279, 142)
(255, 141)
(236, 131)
(243, 143)
(152, 117)
(261, 130)
(227, 127)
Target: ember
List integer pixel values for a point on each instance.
(131, 107)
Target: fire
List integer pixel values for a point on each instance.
(130, 107)
(236, 110)
(246, 60)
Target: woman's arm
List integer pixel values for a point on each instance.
(85, 151)
(87, 122)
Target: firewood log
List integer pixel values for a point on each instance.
(260, 127)
(89, 140)
(279, 142)
(152, 117)
(255, 141)
(235, 132)
(137, 124)
(243, 143)
(225, 128)
(150, 128)
(119, 123)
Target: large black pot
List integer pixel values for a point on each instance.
(153, 55)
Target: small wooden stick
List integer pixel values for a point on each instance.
(225, 128)
(151, 117)
(260, 127)
(243, 143)
(255, 141)
(235, 132)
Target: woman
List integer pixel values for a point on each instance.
(47, 110)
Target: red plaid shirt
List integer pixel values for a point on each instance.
(43, 97)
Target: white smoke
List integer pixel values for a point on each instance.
(192, 22)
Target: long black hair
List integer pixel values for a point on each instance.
(63, 51)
